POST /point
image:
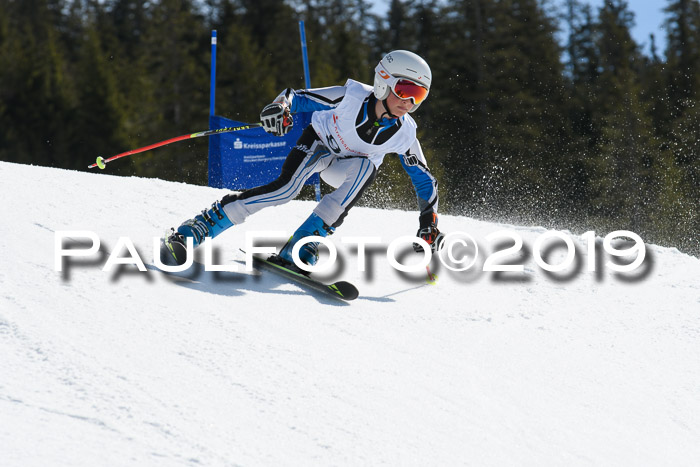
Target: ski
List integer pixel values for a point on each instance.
(341, 290)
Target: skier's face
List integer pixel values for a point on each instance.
(398, 106)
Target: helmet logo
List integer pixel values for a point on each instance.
(384, 74)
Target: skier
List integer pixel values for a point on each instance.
(352, 128)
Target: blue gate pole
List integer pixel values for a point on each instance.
(304, 54)
(214, 175)
(307, 81)
(212, 84)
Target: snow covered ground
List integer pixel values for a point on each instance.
(143, 368)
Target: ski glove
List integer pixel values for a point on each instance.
(429, 232)
(276, 119)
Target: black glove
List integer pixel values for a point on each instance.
(429, 232)
(276, 119)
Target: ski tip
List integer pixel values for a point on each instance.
(345, 290)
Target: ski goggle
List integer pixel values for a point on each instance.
(406, 89)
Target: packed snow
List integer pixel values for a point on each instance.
(125, 367)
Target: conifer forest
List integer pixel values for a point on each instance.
(541, 112)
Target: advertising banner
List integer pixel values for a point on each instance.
(249, 158)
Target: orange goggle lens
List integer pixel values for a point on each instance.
(409, 90)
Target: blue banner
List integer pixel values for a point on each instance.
(245, 159)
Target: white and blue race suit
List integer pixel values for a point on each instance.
(346, 143)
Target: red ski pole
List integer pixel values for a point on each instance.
(100, 162)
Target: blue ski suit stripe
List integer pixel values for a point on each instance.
(291, 190)
(361, 176)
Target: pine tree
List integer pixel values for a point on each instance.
(273, 28)
(176, 73)
(246, 77)
(336, 40)
(501, 60)
(36, 109)
(683, 52)
(581, 73)
(678, 217)
(99, 114)
(457, 106)
(623, 185)
(122, 27)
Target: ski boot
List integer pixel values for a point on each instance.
(210, 223)
(308, 253)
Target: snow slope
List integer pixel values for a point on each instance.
(126, 367)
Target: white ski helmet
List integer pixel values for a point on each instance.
(398, 65)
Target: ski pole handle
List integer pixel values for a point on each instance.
(100, 162)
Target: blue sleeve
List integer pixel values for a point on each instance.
(312, 100)
(425, 184)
